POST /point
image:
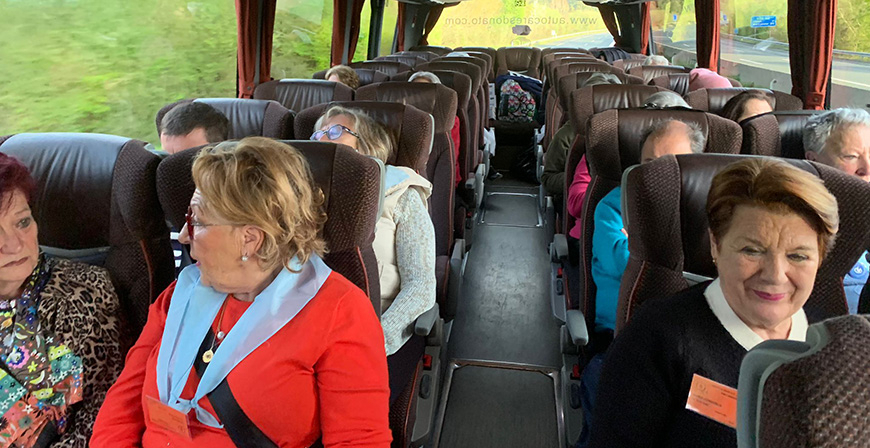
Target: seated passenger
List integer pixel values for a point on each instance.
(841, 138)
(431, 78)
(553, 177)
(609, 240)
(302, 355)
(54, 310)
(344, 75)
(656, 60)
(665, 100)
(404, 236)
(748, 104)
(191, 125)
(703, 78)
(770, 227)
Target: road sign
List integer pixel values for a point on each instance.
(675, 17)
(763, 21)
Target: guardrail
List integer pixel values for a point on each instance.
(785, 46)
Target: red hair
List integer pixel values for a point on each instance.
(14, 176)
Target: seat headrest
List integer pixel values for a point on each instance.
(427, 55)
(410, 60)
(578, 67)
(648, 72)
(778, 133)
(627, 64)
(459, 82)
(793, 392)
(247, 117)
(439, 101)
(366, 76)
(410, 128)
(388, 67)
(469, 69)
(590, 100)
(551, 50)
(299, 94)
(572, 81)
(441, 51)
(524, 60)
(75, 201)
(490, 62)
(678, 82)
(714, 100)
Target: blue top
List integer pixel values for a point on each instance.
(854, 282)
(609, 258)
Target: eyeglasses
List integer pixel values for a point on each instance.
(333, 132)
(188, 218)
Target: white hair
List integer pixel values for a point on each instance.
(433, 78)
(662, 100)
(819, 128)
(598, 78)
(656, 60)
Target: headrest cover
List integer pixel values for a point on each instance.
(440, 101)
(246, 116)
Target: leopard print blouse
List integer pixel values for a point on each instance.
(80, 306)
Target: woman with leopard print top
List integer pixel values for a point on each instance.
(59, 336)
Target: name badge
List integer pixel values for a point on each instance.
(168, 418)
(713, 400)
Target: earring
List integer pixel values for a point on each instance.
(714, 261)
(244, 258)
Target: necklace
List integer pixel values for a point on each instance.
(209, 354)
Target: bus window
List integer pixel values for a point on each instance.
(850, 83)
(673, 26)
(753, 39)
(96, 66)
(551, 23)
(388, 30)
(302, 38)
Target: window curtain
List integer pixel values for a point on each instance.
(645, 25)
(247, 17)
(707, 41)
(340, 31)
(400, 28)
(811, 25)
(608, 15)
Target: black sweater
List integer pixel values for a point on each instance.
(648, 371)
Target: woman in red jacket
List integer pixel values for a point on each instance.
(259, 343)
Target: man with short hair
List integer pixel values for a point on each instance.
(840, 138)
(191, 125)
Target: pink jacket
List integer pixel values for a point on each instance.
(576, 194)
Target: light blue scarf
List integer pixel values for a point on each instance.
(192, 312)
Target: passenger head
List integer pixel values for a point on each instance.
(191, 125)
(656, 60)
(354, 128)
(255, 208)
(19, 246)
(664, 100)
(702, 78)
(344, 75)
(425, 77)
(840, 138)
(672, 137)
(597, 79)
(748, 104)
(771, 225)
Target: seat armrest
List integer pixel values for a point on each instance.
(469, 182)
(576, 324)
(424, 324)
(559, 248)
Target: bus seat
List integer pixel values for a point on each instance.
(387, 67)
(366, 76)
(488, 58)
(427, 55)
(247, 118)
(578, 67)
(627, 64)
(792, 393)
(665, 214)
(491, 52)
(483, 94)
(550, 67)
(439, 101)
(439, 50)
(410, 60)
(348, 232)
(551, 50)
(778, 134)
(648, 72)
(574, 81)
(300, 94)
(613, 144)
(523, 60)
(714, 100)
(679, 82)
(478, 102)
(96, 202)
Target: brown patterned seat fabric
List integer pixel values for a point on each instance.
(264, 118)
(714, 100)
(627, 64)
(523, 60)
(299, 94)
(820, 397)
(480, 99)
(665, 203)
(613, 144)
(96, 199)
(388, 67)
(349, 231)
(648, 72)
(427, 55)
(409, 60)
(441, 51)
(778, 134)
(366, 76)
(488, 58)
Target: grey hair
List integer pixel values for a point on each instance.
(661, 100)
(656, 60)
(819, 128)
(374, 140)
(433, 78)
(697, 139)
(598, 78)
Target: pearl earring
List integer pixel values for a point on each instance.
(244, 258)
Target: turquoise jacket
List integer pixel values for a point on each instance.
(609, 258)
(854, 282)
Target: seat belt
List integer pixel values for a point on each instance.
(242, 431)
